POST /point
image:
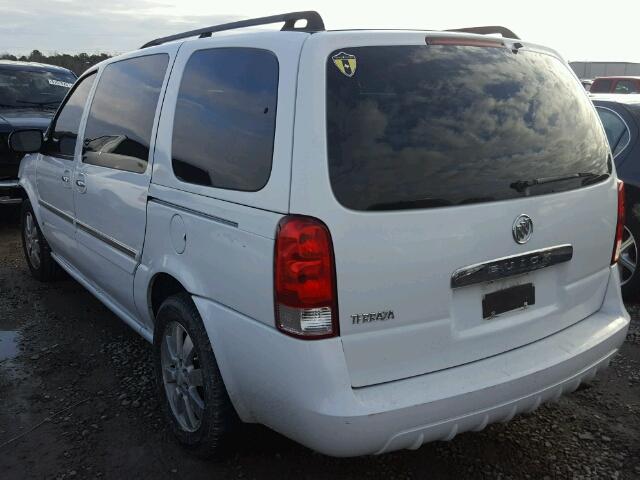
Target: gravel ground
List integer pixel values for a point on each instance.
(76, 401)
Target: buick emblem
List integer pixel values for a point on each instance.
(522, 229)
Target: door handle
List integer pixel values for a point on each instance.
(81, 183)
(66, 176)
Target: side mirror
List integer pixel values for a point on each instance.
(26, 141)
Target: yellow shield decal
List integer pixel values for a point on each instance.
(346, 63)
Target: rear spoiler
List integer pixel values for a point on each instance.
(505, 32)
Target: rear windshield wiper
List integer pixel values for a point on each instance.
(588, 178)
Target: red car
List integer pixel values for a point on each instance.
(616, 85)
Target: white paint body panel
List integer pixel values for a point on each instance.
(380, 386)
(60, 233)
(230, 264)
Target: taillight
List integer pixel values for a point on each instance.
(305, 284)
(619, 225)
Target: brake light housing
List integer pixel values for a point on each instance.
(464, 42)
(305, 295)
(615, 256)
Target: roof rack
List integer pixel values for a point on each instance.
(314, 24)
(505, 32)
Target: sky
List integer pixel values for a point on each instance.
(578, 30)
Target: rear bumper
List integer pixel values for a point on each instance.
(10, 193)
(303, 390)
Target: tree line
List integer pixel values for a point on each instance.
(76, 63)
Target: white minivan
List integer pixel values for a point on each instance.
(365, 240)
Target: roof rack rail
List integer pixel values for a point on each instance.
(314, 24)
(505, 32)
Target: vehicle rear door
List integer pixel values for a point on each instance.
(55, 166)
(113, 173)
(467, 186)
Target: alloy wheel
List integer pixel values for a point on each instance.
(182, 377)
(32, 240)
(628, 256)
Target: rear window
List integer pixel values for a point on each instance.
(429, 126)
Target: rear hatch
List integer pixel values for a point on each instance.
(453, 170)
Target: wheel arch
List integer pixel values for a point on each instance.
(163, 284)
(28, 191)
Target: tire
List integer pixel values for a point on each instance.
(628, 263)
(36, 249)
(196, 405)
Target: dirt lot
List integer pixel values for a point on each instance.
(76, 401)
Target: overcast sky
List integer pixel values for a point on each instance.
(579, 30)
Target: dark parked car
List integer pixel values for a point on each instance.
(29, 96)
(620, 115)
(615, 85)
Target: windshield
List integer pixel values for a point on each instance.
(33, 88)
(438, 125)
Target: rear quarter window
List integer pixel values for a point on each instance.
(225, 119)
(434, 126)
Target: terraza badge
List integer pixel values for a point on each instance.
(372, 317)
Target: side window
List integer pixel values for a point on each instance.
(617, 132)
(64, 132)
(626, 86)
(118, 132)
(601, 86)
(225, 118)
